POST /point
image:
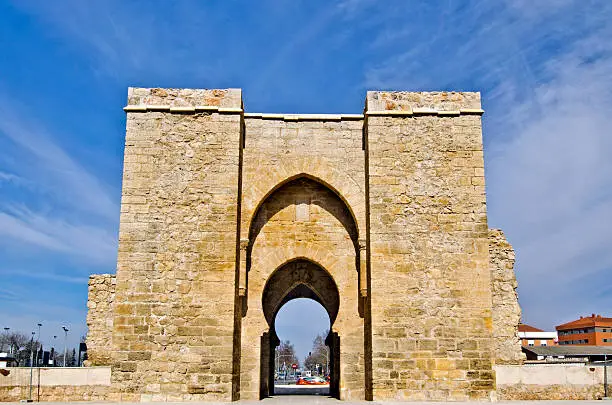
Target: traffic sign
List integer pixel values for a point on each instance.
(294, 366)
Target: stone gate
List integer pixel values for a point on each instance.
(380, 217)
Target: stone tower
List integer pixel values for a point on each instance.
(380, 217)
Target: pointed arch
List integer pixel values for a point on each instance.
(300, 278)
(291, 180)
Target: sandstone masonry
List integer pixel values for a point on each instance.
(101, 296)
(506, 309)
(380, 217)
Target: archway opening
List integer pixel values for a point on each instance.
(290, 283)
(302, 365)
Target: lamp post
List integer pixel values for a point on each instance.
(54, 354)
(327, 360)
(37, 343)
(605, 376)
(31, 364)
(65, 342)
(7, 338)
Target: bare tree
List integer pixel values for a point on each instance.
(318, 355)
(19, 345)
(285, 355)
(13, 342)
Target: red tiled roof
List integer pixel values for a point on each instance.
(593, 320)
(528, 328)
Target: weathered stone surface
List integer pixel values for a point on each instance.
(506, 309)
(225, 217)
(55, 384)
(407, 100)
(430, 278)
(57, 393)
(549, 392)
(100, 299)
(303, 198)
(549, 382)
(177, 250)
(224, 98)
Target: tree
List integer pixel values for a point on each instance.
(71, 359)
(24, 348)
(285, 355)
(13, 342)
(318, 355)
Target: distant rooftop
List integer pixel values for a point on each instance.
(528, 328)
(593, 320)
(570, 351)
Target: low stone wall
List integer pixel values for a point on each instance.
(506, 309)
(100, 300)
(524, 382)
(549, 381)
(56, 384)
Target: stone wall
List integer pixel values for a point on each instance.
(100, 299)
(173, 328)
(56, 384)
(430, 276)
(549, 382)
(506, 309)
(303, 198)
(389, 204)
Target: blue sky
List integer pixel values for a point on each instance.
(544, 69)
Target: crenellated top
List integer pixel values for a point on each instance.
(378, 103)
(183, 100)
(422, 103)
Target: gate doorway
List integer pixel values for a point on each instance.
(300, 278)
(302, 358)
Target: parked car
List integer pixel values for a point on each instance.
(311, 381)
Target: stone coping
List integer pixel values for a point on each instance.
(408, 112)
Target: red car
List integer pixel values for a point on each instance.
(311, 381)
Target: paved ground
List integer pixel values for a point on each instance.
(322, 400)
(301, 390)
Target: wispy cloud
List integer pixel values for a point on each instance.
(130, 41)
(8, 177)
(50, 201)
(51, 276)
(80, 240)
(544, 69)
(551, 186)
(548, 92)
(54, 170)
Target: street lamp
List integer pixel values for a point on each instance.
(7, 338)
(327, 359)
(54, 354)
(31, 364)
(65, 342)
(605, 376)
(37, 343)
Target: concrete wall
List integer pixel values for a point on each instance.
(549, 381)
(56, 384)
